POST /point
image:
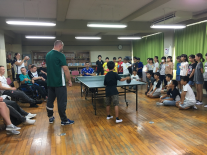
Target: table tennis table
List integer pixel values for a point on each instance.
(93, 83)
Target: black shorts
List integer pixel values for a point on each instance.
(139, 74)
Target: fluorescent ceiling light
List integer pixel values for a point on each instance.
(107, 25)
(197, 23)
(30, 23)
(129, 38)
(151, 35)
(40, 37)
(88, 37)
(168, 26)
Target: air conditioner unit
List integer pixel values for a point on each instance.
(173, 18)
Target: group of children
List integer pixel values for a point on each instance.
(177, 92)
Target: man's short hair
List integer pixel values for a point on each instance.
(138, 58)
(175, 83)
(135, 58)
(149, 73)
(110, 65)
(114, 58)
(30, 64)
(1, 66)
(86, 62)
(58, 42)
(158, 74)
(170, 76)
(33, 66)
(107, 57)
(22, 68)
(99, 56)
(119, 57)
(127, 58)
(185, 78)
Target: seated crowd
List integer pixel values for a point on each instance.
(33, 87)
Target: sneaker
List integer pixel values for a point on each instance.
(51, 120)
(68, 122)
(38, 102)
(12, 127)
(33, 105)
(109, 117)
(31, 115)
(205, 106)
(29, 122)
(159, 103)
(199, 103)
(194, 107)
(119, 120)
(12, 132)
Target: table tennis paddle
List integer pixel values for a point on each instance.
(128, 81)
(107, 70)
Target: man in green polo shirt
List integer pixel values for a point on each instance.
(57, 70)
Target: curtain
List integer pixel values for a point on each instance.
(149, 47)
(191, 40)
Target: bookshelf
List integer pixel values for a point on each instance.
(75, 60)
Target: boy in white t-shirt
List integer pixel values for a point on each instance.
(125, 66)
(187, 96)
(134, 77)
(168, 78)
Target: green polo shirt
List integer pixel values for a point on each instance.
(55, 74)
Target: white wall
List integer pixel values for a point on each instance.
(3, 52)
(105, 51)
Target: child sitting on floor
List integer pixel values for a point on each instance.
(155, 90)
(187, 96)
(134, 77)
(150, 81)
(168, 78)
(172, 96)
(112, 94)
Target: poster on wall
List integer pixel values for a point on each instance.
(168, 51)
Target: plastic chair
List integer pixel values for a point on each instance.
(75, 74)
(8, 81)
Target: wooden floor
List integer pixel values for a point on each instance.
(173, 131)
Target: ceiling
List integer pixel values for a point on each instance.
(72, 16)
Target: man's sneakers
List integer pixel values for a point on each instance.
(29, 121)
(109, 117)
(12, 132)
(31, 116)
(12, 127)
(51, 119)
(68, 122)
(119, 120)
(198, 102)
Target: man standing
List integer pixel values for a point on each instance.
(139, 69)
(99, 64)
(57, 69)
(120, 68)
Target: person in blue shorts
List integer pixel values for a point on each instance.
(178, 72)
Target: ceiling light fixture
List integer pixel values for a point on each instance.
(151, 35)
(129, 38)
(30, 23)
(197, 23)
(175, 26)
(39, 37)
(107, 25)
(88, 37)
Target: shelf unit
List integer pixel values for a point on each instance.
(9, 71)
(74, 59)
